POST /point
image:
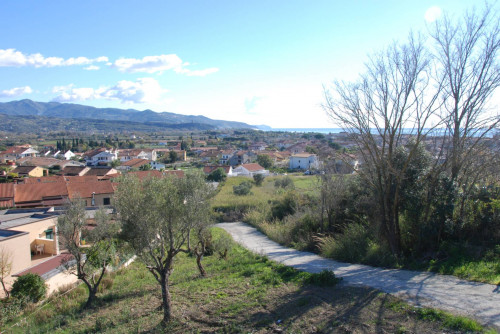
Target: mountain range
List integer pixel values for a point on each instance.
(92, 116)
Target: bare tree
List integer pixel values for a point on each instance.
(157, 216)
(392, 101)
(89, 263)
(5, 267)
(467, 51)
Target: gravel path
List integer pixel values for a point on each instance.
(478, 300)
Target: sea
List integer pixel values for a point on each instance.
(435, 132)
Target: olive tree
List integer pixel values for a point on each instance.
(88, 262)
(157, 216)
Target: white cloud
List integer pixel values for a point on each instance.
(149, 64)
(432, 14)
(14, 58)
(16, 91)
(200, 73)
(143, 90)
(91, 68)
(159, 64)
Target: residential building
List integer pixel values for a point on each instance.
(47, 162)
(100, 156)
(250, 170)
(30, 171)
(17, 152)
(304, 161)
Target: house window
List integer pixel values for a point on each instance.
(49, 234)
(106, 201)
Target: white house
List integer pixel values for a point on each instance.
(157, 165)
(250, 170)
(129, 154)
(304, 161)
(67, 155)
(100, 156)
(224, 156)
(18, 152)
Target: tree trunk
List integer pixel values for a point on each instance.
(166, 300)
(7, 293)
(199, 256)
(92, 294)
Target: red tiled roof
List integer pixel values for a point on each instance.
(59, 178)
(210, 169)
(135, 163)
(85, 189)
(23, 169)
(73, 170)
(129, 152)
(101, 171)
(37, 191)
(44, 179)
(6, 190)
(43, 161)
(141, 175)
(178, 173)
(15, 150)
(96, 151)
(252, 167)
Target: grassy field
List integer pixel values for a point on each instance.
(227, 200)
(245, 293)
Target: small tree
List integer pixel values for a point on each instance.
(5, 267)
(90, 261)
(265, 161)
(145, 167)
(258, 179)
(218, 175)
(157, 215)
(115, 163)
(172, 156)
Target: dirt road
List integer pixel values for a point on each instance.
(477, 300)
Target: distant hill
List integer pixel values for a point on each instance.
(43, 125)
(56, 110)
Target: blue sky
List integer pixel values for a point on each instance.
(259, 62)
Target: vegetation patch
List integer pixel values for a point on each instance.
(245, 293)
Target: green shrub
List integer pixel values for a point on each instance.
(285, 182)
(10, 308)
(106, 283)
(323, 278)
(30, 286)
(284, 207)
(218, 175)
(243, 188)
(350, 246)
(222, 245)
(258, 179)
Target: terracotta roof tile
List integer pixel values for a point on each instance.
(37, 191)
(147, 173)
(253, 167)
(6, 190)
(135, 163)
(85, 189)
